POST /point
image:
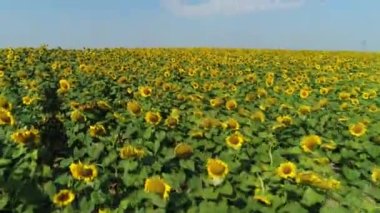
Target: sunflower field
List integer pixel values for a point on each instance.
(189, 130)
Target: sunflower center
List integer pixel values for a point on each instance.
(156, 186)
(358, 128)
(153, 118)
(5, 118)
(287, 170)
(63, 197)
(172, 121)
(87, 172)
(234, 140)
(146, 91)
(217, 168)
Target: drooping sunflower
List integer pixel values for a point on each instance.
(63, 198)
(86, 172)
(216, 102)
(258, 116)
(231, 123)
(103, 105)
(285, 120)
(64, 86)
(158, 186)
(358, 129)
(183, 150)
(217, 171)
(262, 197)
(5, 104)
(153, 118)
(6, 117)
(344, 96)
(231, 104)
(25, 136)
(145, 91)
(304, 110)
(235, 140)
(134, 107)
(287, 170)
(77, 116)
(310, 142)
(129, 151)
(97, 130)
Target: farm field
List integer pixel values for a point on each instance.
(189, 130)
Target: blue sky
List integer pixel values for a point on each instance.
(291, 24)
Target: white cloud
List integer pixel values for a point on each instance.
(227, 7)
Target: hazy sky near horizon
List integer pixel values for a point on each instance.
(291, 24)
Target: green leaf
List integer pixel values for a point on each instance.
(293, 207)
(95, 151)
(3, 201)
(350, 174)
(4, 162)
(226, 189)
(187, 164)
(49, 188)
(129, 165)
(209, 193)
(311, 197)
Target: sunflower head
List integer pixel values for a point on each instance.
(232, 124)
(287, 170)
(258, 116)
(358, 129)
(231, 104)
(217, 171)
(5, 104)
(372, 108)
(261, 197)
(27, 100)
(145, 91)
(216, 102)
(310, 142)
(103, 105)
(86, 172)
(375, 176)
(63, 198)
(25, 137)
(134, 107)
(183, 150)
(6, 117)
(195, 133)
(304, 93)
(235, 140)
(344, 96)
(304, 110)
(64, 85)
(97, 130)
(158, 186)
(286, 120)
(153, 118)
(131, 152)
(171, 122)
(77, 116)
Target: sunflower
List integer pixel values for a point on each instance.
(183, 150)
(6, 117)
(122, 80)
(231, 124)
(261, 197)
(231, 104)
(358, 129)
(63, 198)
(285, 120)
(304, 93)
(158, 186)
(262, 93)
(77, 116)
(27, 100)
(86, 172)
(217, 171)
(372, 108)
(153, 118)
(5, 104)
(235, 141)
(216, 102)
(103, 105)
(324, 90)
(129, 151)
(375, 176)
(344, 106)
(104, 210)
(145, 91)
(287, 170)
(365, 95)
(304, 110)
(258, 116)
(195, 133)
(344, 96)
(331, 145)
(290, 90)
(171, 122)
(308, 143)
(64, 86)
(134, 107)
(25, 136)
(97, 130)
(307, 177)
